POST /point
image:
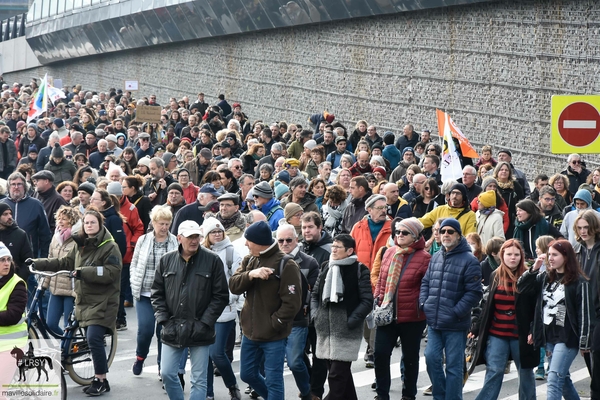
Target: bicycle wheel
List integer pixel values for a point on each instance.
(33, 333)
(79, 358)
(63, 386)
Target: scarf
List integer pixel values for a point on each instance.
(391, 283)
(333, 289)
(228, 222)
(487, 211)
(507, 185)
(62, 235)
(492, 262)
(541, 229)
(333, 214)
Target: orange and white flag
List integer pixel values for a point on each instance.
(444, 120)
(451, 167)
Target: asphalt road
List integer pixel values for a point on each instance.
(124, 385)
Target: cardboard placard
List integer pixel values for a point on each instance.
(148, 114)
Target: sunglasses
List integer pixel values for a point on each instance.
(288, 240)
(447, 231)
(576, 162)
(237, 167)
(69, 157)
(403, 233)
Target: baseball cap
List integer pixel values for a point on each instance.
(189, 228)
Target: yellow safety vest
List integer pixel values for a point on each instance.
(13, 335)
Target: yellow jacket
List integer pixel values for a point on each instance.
(468, 221)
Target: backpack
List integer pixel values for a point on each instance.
(273, 211)
(305, 286)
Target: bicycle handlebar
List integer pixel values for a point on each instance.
(48, 274)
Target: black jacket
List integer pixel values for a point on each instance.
(188, 297)
(577, 301)
(18, 244)
(482, 321)
(310, 269)
(51, 201)
(321, 250)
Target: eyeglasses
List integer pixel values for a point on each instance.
(403, 233)
(5, 259)
(255, 196)
(575, 162)
(379, 208)
(69, 157)
(237, 167)
(430, 149)
(447, 231)
(216, 233)
(288, 240)
(16, 184)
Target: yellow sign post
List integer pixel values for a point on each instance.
(575, 125)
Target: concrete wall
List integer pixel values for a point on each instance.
(493, 66)
(16, 55)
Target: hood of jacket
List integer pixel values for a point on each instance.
(461, 247)
(93, 241)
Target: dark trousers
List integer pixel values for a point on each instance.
(594, 365)
(95, 338)
(121, 314)
(385, 340)
(341, 384)
(230, 343)
(318, 370)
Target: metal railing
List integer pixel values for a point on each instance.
(13, 27)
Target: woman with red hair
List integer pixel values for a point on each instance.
(562, 318)
(502, 326)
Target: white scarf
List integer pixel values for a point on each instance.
(333, 290)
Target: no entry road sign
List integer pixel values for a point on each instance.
(575, 124)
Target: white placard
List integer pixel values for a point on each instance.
(131, 85)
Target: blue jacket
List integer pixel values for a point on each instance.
(450, 288)
(190, 212)
(31, 217)
(392, 154)
(96, 159)
(276, 216)
(335, 158)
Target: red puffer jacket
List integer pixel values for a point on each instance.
(407, 299)
(134, 228)
(365, 248)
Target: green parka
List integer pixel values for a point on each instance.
(97, 290)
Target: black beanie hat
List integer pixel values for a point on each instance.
(57, 151)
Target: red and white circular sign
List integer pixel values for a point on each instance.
(579, 124)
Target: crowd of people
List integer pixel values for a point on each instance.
(292, 239)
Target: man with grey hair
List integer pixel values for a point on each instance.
(236, 166)
(276, 152)
(576, 172)
(246, 182)
(97, 157)
(287, 239)
(44, 153)
(325, 172)
(468, 179)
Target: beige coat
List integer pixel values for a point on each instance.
(60, 285)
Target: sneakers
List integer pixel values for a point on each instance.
(238, 340)
(540, 374)
(507, 368)
(374, 385)
(428, 391)
(234, 393)
(253, 394)
(106, 386)
(138, 366)
(370, 362)
(121, 326)
(97, 387)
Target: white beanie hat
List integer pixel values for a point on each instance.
(210, 224)
(4, 252)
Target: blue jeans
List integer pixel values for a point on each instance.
(559, 379)
(147, 328)
(171, 358)
(446, 384)
(219, 357)
(294, 353)
(269, 387)
(57, 307)
(496, 356)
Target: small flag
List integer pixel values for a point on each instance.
(465, 146)
(451, 167)
(39, 103)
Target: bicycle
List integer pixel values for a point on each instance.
(76, 357)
